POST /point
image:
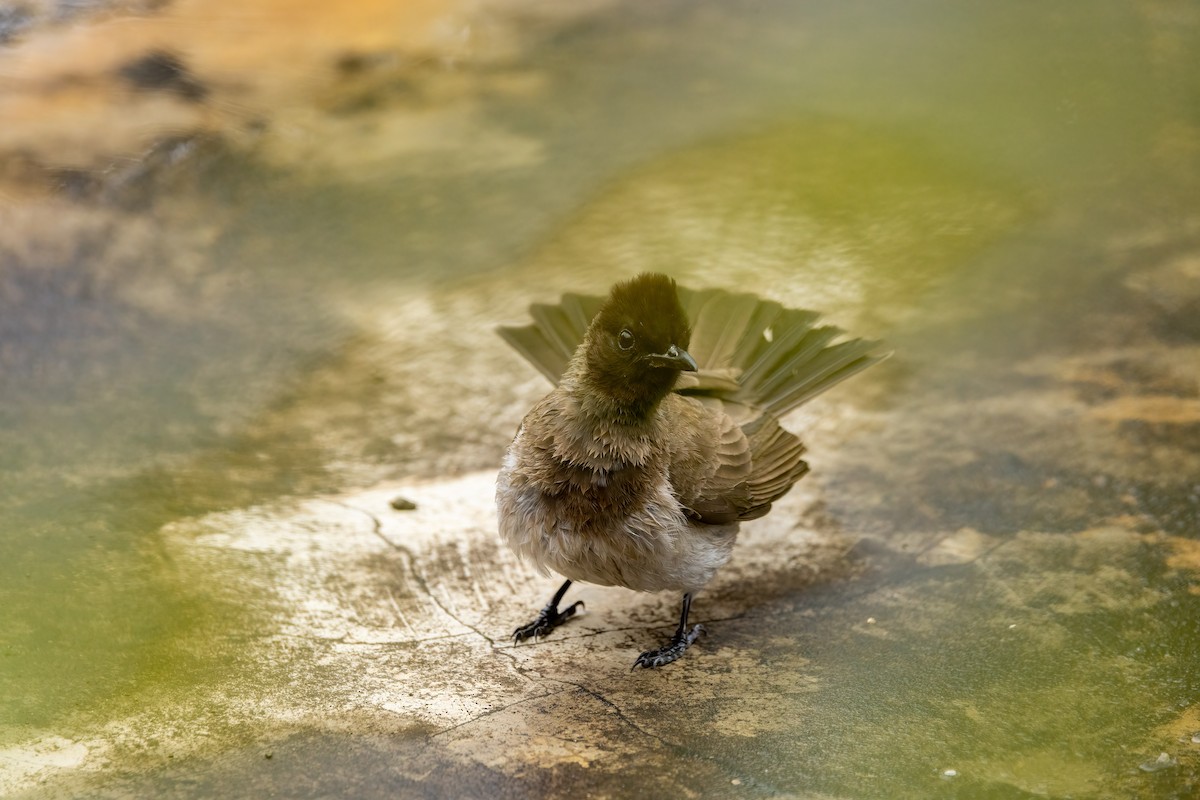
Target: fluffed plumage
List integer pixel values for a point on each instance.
(661, 435)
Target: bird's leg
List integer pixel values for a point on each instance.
(679, 642)
(549, 617)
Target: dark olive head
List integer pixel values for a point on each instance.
(637, 344)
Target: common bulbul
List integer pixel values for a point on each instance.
(660, 437)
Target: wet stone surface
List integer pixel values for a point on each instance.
(253, 403)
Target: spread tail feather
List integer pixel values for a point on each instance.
(750, 351)
(556, 331)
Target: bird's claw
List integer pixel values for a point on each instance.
(547, 620)
(665, 655)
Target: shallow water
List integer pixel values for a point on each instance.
(284, 285)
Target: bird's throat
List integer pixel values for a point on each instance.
(631, 405)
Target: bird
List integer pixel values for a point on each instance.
(660, 437)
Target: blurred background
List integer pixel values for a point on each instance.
(252, 251)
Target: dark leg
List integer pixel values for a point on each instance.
(549, 617)
(679, 642)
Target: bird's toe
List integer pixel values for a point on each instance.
(547, 620)
(665, 655)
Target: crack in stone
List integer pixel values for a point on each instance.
(423, 587)
(621, 715)
(411, 565)
(678, 750)
(402, 643)
(493, 711)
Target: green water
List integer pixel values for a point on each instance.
(1008, 193)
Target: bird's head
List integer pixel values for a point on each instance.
(637, 344)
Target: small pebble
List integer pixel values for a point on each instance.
(1164, 761)
(403, 504)
(736, 782)
(870, 620)
(949, 773)
(1196, 738)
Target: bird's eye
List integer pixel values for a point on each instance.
(625, 340)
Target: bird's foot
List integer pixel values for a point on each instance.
(547, 620)
(665, 655)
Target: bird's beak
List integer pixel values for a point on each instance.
(675, 358)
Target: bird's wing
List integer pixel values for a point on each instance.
(726, 466)
(709, 459)
(778, 463)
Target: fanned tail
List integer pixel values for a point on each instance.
(556, 331)
(779, 357)
(751, 352)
